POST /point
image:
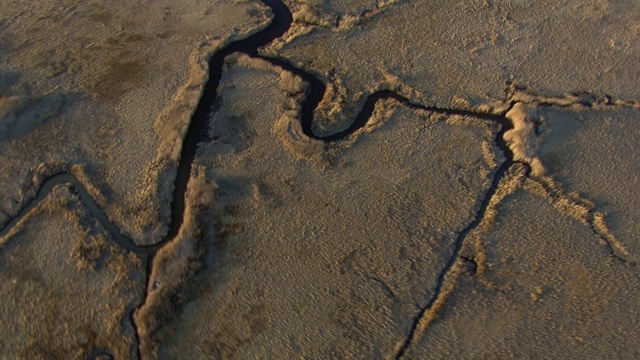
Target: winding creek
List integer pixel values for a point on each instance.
(197, 133)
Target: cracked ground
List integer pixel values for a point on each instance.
(380, 179)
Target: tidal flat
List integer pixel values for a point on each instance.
(366, 179)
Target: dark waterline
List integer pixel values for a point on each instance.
(197, 129)
(196, 133)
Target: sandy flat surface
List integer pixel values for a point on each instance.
(548, 289)
(319, 257)
(382, 180)
(67, 289)
(456, 54)
(104, 86)
(596, 154)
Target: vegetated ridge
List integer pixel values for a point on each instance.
(197, 133)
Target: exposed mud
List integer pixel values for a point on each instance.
(314, 93)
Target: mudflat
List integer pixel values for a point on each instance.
(319, 179)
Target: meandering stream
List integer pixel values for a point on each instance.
(197, 133)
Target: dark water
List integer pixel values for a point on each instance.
(197, 133)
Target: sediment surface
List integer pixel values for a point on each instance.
(319, 179)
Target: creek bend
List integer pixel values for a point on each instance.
(196, 133)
